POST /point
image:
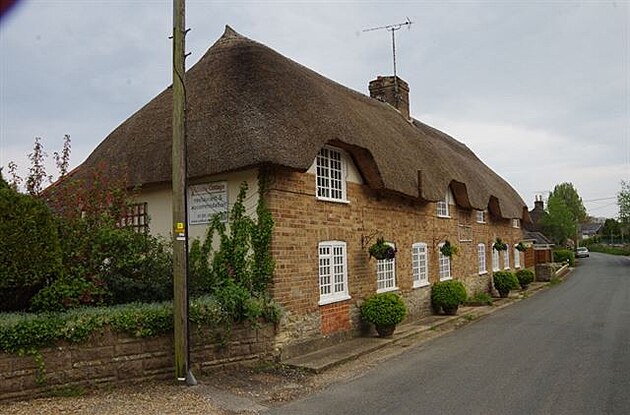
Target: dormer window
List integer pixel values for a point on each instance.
(331, 175)
(516, 223)
(481, 216)
(443, 208)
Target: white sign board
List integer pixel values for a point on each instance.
(205, 201)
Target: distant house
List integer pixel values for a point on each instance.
(536, 215)
(540, 249)
(589, 230)
(344, 168)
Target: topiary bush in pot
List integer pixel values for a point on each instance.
(525, 277)
(385, 311)
(504, 281)
(448, 295)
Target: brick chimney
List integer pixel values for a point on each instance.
(538, 203)
(392, 90)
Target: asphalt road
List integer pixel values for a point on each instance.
(565, 350)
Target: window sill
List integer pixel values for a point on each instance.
(483, 273)
(327, 199)
(481, 223)
(386, 290)
(332, 300)
(421, 285)
(444, 217)
(446, 279)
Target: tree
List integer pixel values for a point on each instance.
(567, 192)
(30, 254)
(558, 222)
(623, 201)
(611, 228)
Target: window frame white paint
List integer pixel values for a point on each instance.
(335, 294)
(386, 273)
(517, 258)
(506, 257)
(420, 264)
(444, 265)
(496, 263)
(442, 207)
(481, 258)
(516, 223)
(481, 216)
(324, 182)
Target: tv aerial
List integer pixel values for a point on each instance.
(392, 28)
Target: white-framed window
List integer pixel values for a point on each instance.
(386, 274)
(333, 272)
(481, 216)
(516, 223)
(419, 264)
(517, 258)
(495, 259)
(506, 257)
(443, 208)
(331, 175)
(445, 264)
(481, 258)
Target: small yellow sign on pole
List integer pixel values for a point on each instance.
(180, 231)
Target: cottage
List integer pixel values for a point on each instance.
(344, 169)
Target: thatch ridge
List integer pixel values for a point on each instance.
(248, 105)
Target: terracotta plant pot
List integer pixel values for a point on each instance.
(385, 331)
(450, 311)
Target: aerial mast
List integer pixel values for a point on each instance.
(393, 28)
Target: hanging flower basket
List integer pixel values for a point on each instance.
(521, 247)
(499, 245)
(381, 250)
(448, 250)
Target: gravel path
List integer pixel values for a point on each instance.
(147, 399)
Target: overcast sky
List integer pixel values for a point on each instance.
(540, 91)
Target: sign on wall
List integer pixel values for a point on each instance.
(205, 201)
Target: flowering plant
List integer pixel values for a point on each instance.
(499, 245)
(382, 250)
(448, 250)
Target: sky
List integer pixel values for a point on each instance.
(539, 90)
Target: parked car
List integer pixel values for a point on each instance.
(582, 252)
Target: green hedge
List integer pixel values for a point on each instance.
(21, 332)
(564, 255)
(613, 250)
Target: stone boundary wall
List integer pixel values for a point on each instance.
(113, 358)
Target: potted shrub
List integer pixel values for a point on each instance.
(499, 245)
(521, 247)
(448, 295)
(382, 250)
(448, 250)
(504, 281)
(385, 311)
(525, 277)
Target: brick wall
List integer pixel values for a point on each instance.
(302, 221)
(113, 358)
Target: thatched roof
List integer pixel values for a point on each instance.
(247, 105)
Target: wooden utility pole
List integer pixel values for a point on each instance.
(180, 235)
